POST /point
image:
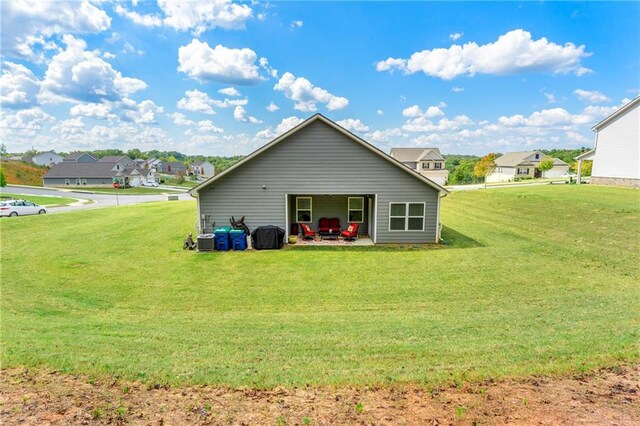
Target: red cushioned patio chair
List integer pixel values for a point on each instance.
(351, 232)
(307, 232)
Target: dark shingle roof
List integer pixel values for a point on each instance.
(114, 158)
(72, 170)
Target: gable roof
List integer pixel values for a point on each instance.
(71, 169)
(613, 117)
(512, 159)
(75, 155)
(416, 154)
(114, 158)
(340, 129)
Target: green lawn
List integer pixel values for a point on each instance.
(44, 200)
(127, 191)
(531, 280)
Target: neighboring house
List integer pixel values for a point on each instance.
(616, 152)
(319, 169)
(47, 159)
(121, 160)
(524, 165)
(153, 163)
(80, 157)
(426, 161)
(171, 167)
(98, 173)
(202, 168)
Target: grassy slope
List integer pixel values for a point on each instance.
(18, 173)
(533, 280)
(44, 200)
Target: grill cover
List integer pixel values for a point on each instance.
(267, 237)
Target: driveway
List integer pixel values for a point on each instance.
(100, 200)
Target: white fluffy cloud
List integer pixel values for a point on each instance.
(591, 96)
(180, 119)
(306, 95)
(380, 112)
(102, 111)
(203, 63)
(229, 91)
(456, 89)
(76, 74)
(196, 101)
(431, 112)
(25, 119)
(297, 24)
(284, 126)
(195, 16)
(353, 125)
(18, 86)
(140, 113)
(513, 52)
(28, 25)
(272, 107)
(455, 36)
(240, 114)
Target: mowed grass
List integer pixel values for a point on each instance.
(44, 200)
(532, 280)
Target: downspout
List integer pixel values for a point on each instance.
(439, 224)
(200, 226)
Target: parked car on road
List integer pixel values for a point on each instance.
(20, 208)
(150, 183)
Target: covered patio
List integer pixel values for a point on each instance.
(329, 214)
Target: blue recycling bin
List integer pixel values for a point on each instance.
(238, 239)
(221, 236)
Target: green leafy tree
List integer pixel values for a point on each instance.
(587, 165)
(545, 165)
(463, 172)
(3, 179)
(485, 167)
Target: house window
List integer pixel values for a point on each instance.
(425, 166)
(437, 166)
(537, 156)
(406, 216)
(67, 182)
(303, 209)
(78, 181)
(524, 171)
(84, 182)
(355, 207)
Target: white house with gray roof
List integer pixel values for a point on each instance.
(524, 165)
(616, 153)
(318, 170)
(426, 161)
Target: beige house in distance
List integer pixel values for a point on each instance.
(524, 164)
(426, 161)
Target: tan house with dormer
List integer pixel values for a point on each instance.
(426, 161)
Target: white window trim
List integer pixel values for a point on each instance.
(310, 209)
(406, 217)
(355, 210)
(78, 181)
(437, 166)
(67, 181)
(84, 182)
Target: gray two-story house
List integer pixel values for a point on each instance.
(319, 169)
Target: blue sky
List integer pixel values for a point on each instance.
(222, 78)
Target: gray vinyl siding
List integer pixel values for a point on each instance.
(318, 160)
(72, 182)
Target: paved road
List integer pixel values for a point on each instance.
(101, 200)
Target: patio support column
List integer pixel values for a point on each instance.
(579, 179)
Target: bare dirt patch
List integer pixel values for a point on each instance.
(610, 397)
